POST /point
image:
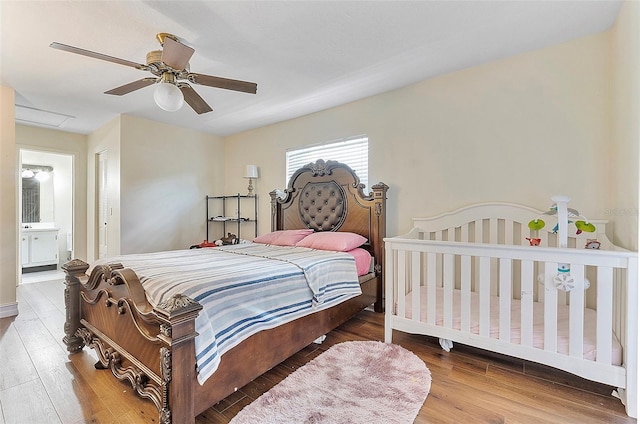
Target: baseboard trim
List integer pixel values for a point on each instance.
(9, 310)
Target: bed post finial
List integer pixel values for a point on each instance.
(73, 269)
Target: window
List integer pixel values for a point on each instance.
(353, 152)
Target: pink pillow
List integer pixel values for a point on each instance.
(283, 237)
(363, 260)
(336, 241)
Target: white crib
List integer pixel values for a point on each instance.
(470, 276)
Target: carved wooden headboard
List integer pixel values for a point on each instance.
(328, 196)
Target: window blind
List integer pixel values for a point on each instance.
(353, 152)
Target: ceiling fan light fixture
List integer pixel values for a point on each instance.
(168, 66)
(168, 97)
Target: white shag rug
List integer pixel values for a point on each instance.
(352, 382)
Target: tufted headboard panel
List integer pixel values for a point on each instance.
(323, 206)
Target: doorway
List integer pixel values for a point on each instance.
(46, 214)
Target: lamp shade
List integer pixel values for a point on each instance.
(251, 171)
(168, 97)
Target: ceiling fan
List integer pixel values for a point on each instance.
(170, 67)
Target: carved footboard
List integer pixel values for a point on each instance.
(152, 348)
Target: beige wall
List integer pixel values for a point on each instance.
(623, 203)
(55, 141)
(157, 178)
(519, 130)
(166, 172)
(8, 204)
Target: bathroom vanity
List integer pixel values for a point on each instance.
(39, 249)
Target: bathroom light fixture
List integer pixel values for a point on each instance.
(250, 172)
(41, 172)
(42, 176)
(167, 95)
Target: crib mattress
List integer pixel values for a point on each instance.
(589, 350)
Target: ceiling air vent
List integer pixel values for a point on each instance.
(33, 116)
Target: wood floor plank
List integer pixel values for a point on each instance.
(578, 393)
(33, 295)
(54, 322)
(102, 417)
(228, 401)
(34, 334)
(446, 405)
(16, 367)
(28, 403)
(54, 292)
(118, 396)
(70, 393)
(257, 387)
(25, 311)
(506, 396)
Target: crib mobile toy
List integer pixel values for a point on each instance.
(563, 279)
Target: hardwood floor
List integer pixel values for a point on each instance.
(41, 383)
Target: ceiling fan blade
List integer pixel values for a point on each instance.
(95, 55)
(132, 86)
(227, 84)
(176, 55)
(194, 100)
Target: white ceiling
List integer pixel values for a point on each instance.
(304, 56)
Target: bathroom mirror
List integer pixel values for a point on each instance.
(37, 194)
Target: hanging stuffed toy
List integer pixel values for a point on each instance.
(563, 279)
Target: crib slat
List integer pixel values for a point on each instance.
(448, 262)
(550, 308)
(465, 293)
(477, 238)
(508, 232)
(402, 282)
(526, 296)
(630, 357)
(485, 281)
(618, 304)
(415, 286)
(431, 288)
(464, 233)
(544, 238)
(493, 239)
(505, 299)
(493, 230)
(391, 284)
(576, 313)
(604, 313)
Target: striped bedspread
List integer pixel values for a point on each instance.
(244, 289)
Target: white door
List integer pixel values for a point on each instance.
(103, 208)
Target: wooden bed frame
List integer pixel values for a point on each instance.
(153, 347)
